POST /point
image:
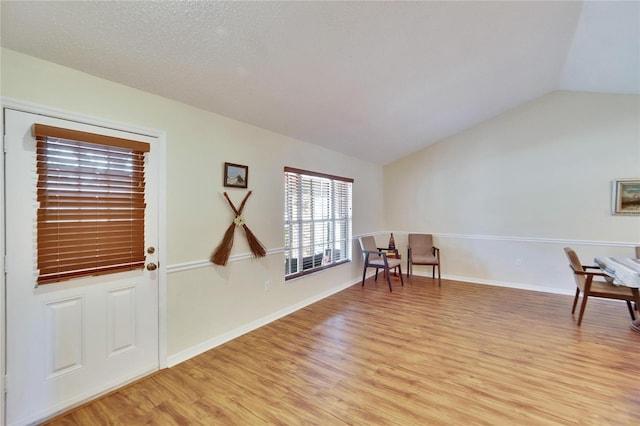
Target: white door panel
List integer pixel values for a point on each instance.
(69, 341)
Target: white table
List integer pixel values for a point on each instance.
(623, 272)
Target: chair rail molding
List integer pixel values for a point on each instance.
(205, 263)
(540, 240)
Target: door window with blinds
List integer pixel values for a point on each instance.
(91, 204)
(317, 221)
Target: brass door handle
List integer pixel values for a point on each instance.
(152, 266)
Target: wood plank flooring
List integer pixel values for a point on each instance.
(422, 355)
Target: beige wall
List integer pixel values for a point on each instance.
(209, 304)
(506, 196)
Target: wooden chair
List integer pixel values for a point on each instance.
(637, 252)
(421, 251)
(596, 288)
(375, 257)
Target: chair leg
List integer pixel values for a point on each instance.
(439, 281)
(376, 278)
(636, 298)
(582, 307)
(575, 300)
(400, 272)
(388, 273)
(630, 307)
(364, 274)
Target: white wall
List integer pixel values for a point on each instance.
(505, 197)
(208, 304)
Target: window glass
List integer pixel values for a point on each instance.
(317, 221)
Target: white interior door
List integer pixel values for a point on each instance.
(70, 341)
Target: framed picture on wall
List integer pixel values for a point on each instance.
(626, 197)
(236, 175)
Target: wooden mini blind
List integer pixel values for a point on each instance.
(91, 195)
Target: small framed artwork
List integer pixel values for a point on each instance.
(626, 197)
(236, 175)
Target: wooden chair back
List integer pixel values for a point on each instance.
(576, 265)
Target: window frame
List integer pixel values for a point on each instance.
(337, 202)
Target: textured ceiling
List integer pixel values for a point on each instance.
(375, 80)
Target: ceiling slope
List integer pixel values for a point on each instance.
(374, 80)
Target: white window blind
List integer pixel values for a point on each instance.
(90, 191)
(317, 219)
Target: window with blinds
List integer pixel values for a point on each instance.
(317, 221)
(91, 204)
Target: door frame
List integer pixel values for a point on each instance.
(160, 136)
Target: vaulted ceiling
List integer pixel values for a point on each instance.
(374, 80)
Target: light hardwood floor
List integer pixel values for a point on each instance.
(462, 354)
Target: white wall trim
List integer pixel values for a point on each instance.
(163, 226)
(3, 368)
(539, 240)
(205, 263)
(246, 328)
(508, 284)
(77, 117)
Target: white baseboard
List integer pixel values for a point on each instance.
(553, 290)
(230, 335)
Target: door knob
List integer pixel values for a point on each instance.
(152, 266)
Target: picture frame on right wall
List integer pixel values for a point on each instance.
(626, 197)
